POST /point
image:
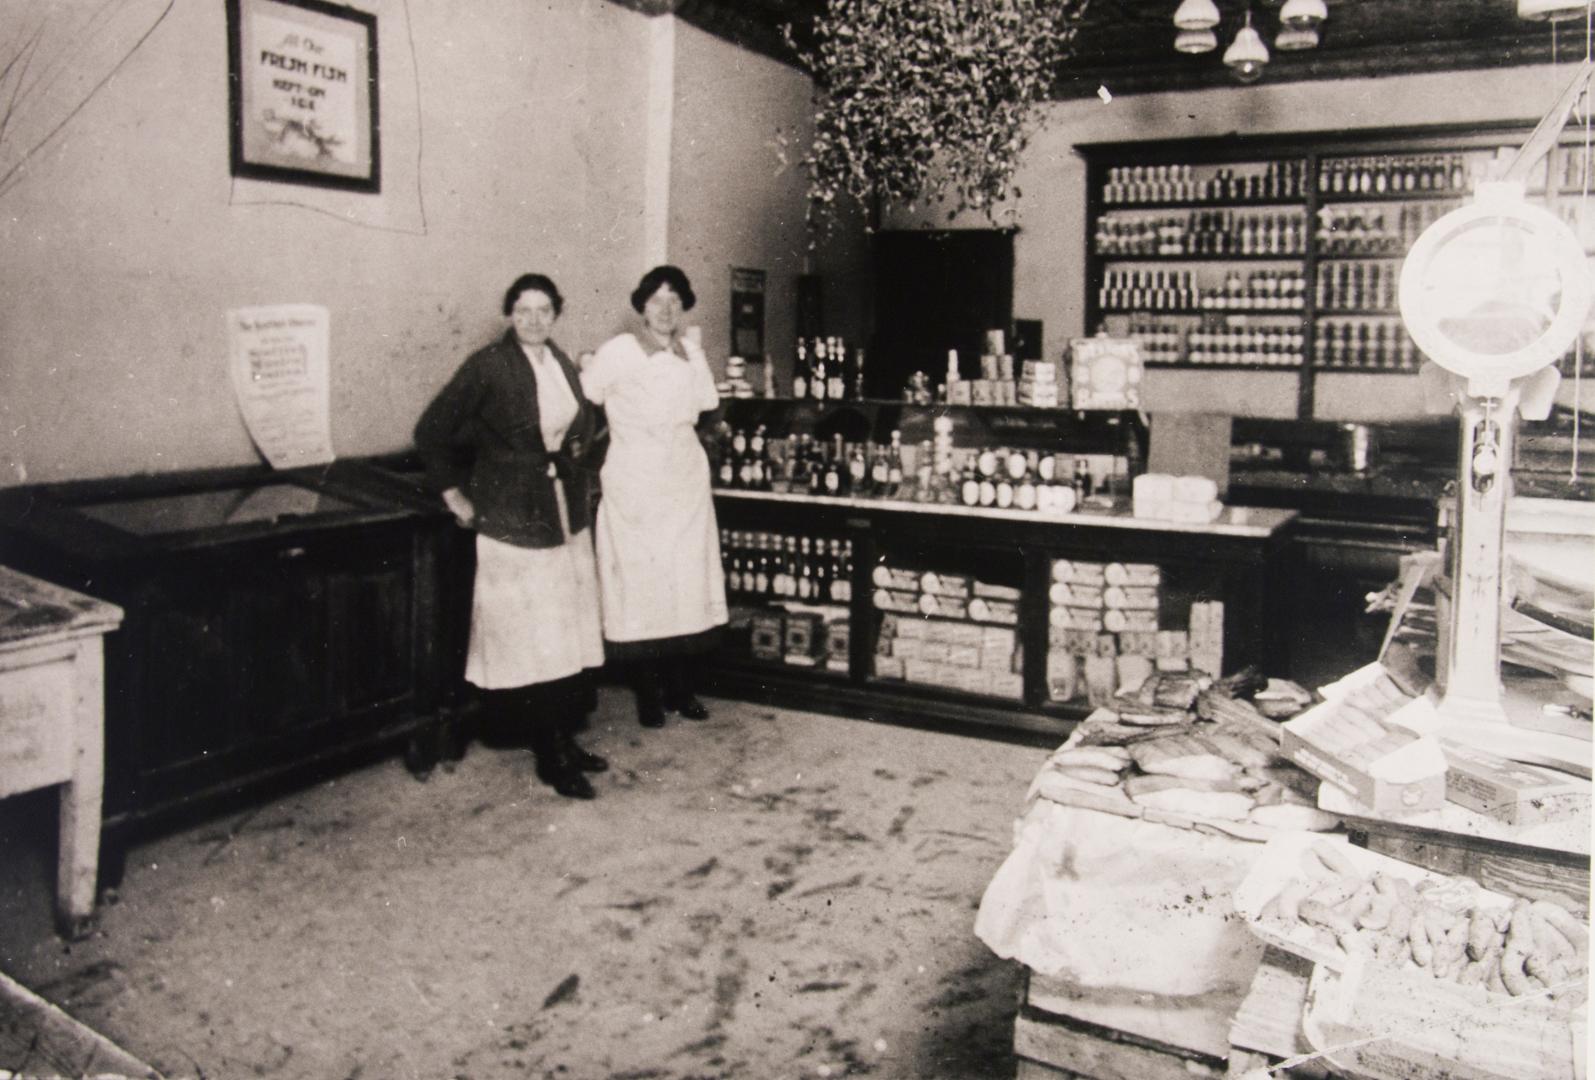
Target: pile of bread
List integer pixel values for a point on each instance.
(1188, 752)
(1513, 948)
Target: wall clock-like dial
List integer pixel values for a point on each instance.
(1495, 290)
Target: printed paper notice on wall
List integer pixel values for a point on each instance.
(280, 377)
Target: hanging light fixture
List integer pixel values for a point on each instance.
(1247, 55)
(1303, 15)
(1196, 41)
(1551, 10)
(1294, 40)
(1196, 15)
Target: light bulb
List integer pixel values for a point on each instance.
(1292, 40)
(1196, 15)
(1303, 14)
(1552, 10)
(1196, 41)
(1247, 55)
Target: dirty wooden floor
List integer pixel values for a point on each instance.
(767, 894)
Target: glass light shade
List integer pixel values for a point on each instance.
(1196, 15)
(1553, 10)
(1247, 55)
(1196, 41)
(1291, 40)
(1304, 14)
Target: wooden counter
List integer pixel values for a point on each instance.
(1239, 559)
(52, 700)
(276, 623)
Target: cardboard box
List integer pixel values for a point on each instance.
(1389, 774)
(838, 639)
(1510, 791)
(804, 636)
(767, 635)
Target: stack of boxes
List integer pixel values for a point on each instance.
(1176, 498)
(996, 383)
(1106, 632)
(814, 638)
(948, 630)
(1039, 385)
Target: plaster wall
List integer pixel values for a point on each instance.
(741, 124)
(515, 141)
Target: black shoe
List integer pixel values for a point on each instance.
(690, 708)
(584, 760)
(566, 781)
(650, 714)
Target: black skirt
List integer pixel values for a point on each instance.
(704, 641)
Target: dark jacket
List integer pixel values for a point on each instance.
(481, 434)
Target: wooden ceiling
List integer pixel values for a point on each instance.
(1128, 45)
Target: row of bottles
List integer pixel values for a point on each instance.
(1346, 286)
(810, 569)
(1169, 341)
(1361, 230)
(825, 369)
(800, 463)
(1180, 183)
(1180, 290)
(1204, 232)
(1385, 175)
(1366, 345)
(1263, 346)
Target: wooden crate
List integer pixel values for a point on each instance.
(38, 1039)
(1050, 1047)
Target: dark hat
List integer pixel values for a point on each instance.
(663, 275)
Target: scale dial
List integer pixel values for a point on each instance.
(1495, 290)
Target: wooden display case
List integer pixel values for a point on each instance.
(275, 622)
(1001, 646)
(1282, 253)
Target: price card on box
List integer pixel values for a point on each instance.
(1105, 373)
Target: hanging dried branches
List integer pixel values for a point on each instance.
(929, 100)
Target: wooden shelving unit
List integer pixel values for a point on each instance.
(1359, 199)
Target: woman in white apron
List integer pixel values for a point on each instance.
(658, 545)
(505, 441)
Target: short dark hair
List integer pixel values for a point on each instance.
(534, 282)
(663, 275)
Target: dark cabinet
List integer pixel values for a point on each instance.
(275, 624)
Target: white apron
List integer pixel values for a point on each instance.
(658, 546)
(533, 616)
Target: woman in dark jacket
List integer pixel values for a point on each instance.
(505, 441)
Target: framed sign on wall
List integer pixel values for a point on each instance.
(747, 314)
(302, 80)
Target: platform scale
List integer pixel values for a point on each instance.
(1493, 293)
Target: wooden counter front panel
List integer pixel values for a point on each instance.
(240, 657)
(250, 655)
(1244, 570)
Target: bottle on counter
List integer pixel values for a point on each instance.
(819, 385)
(834, 471)
(758, 461)
(836, 384)
(969, 487)
(894, 465)
(800, 372)
(857, 471)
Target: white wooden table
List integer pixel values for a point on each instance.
(52, 721)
